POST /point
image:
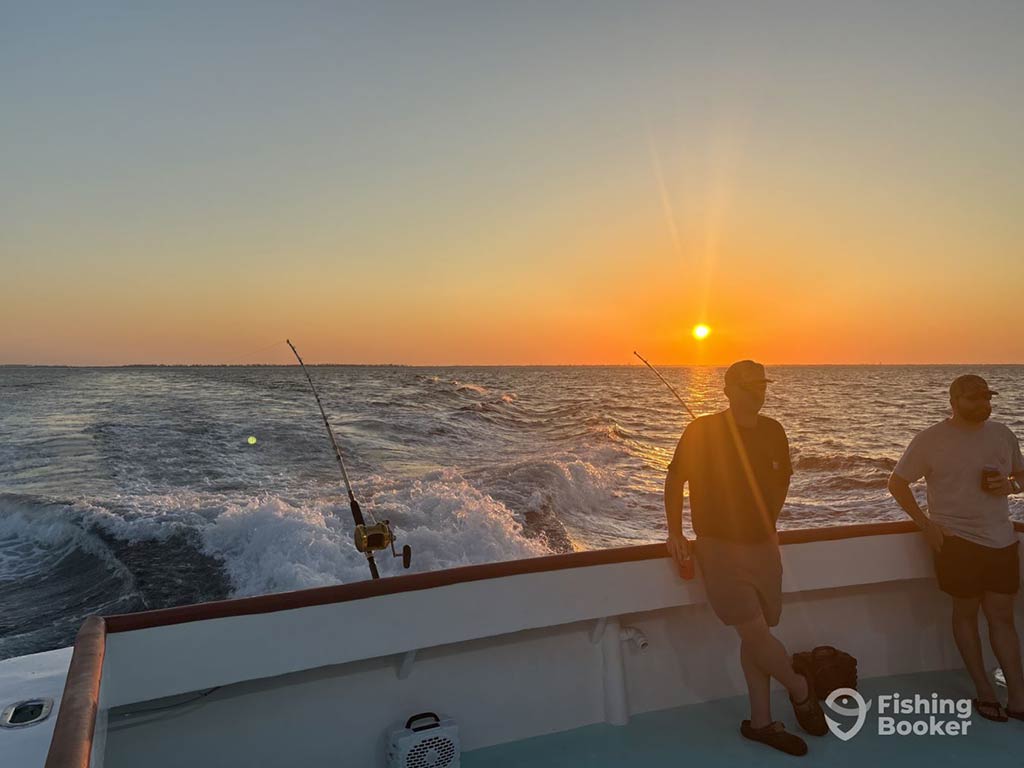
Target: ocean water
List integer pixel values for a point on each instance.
(123, 489)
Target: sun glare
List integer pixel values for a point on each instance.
(701, 331)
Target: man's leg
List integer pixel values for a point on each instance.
(759, 688)
(1002, 634)
(965, 632)
(765, 657)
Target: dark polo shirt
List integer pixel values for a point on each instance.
(723, 504)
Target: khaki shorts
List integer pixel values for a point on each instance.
(743, 580)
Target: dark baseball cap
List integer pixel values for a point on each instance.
(969, 384)
(745, 372)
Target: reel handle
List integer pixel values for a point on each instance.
(406, 554)
(379, 536)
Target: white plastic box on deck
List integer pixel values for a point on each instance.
(424, 741)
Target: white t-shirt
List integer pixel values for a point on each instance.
(951, 458)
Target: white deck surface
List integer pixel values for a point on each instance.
(40, 675)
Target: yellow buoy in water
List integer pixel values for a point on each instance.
(252, 440)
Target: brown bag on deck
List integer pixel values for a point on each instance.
(827, 668)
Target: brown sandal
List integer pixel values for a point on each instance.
(775, 735)
(809, 713)
(981, 706)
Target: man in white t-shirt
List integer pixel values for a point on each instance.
(970, 465)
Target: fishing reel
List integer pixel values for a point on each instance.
(379, 536)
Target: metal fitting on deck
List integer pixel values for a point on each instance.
(635, 636)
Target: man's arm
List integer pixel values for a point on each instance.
(678, 544)
(1016, 467)
(787, 471)
(900, 490)
(674, 483)
(785, 493)
(1004, 486)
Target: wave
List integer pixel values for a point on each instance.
(272, 544)
(186, 547)
(572, 501)
(53, 573)
(862, 483)
(33, 530)
(466, 387)
(840, 462)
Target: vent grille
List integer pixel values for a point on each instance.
(433, 752)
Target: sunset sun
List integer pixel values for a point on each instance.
(701, 331)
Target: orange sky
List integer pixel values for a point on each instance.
(381, 196)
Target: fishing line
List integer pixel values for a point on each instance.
(673, 390)
(368, 538)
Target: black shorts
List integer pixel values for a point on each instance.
(966, 569)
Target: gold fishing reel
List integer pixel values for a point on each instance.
(380, 536)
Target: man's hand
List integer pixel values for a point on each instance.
(679, 548)
(934, 534)
(1000, 486)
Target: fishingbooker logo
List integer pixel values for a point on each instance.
(860, 712)
(898, 715)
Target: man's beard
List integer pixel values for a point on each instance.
(977, 416)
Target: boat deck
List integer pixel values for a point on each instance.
(40, 675)
(708, 735)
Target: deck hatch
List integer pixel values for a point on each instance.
(24, 713)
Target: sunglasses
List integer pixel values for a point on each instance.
(755, 386)
(987, 396)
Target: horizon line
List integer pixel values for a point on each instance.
(491, 365)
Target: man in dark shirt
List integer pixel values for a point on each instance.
(738, 467)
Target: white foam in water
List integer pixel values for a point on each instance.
(149, 517)
(586, 500)
(571, 487)
(271, 545)
(448, 522)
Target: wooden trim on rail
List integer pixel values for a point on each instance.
(412, 582)
(360, 590)
(71, 745)
(807, 535)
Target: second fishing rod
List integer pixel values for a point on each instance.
(686, 568)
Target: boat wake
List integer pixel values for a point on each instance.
(63, 560)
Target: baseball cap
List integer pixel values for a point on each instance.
(745, 372)
(969, 384)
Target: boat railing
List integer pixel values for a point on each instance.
(74, 730)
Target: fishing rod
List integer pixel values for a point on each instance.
(686, 569)
(656, 373)
(368, 538)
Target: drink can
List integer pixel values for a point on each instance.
(989, 472)
(686, 569)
